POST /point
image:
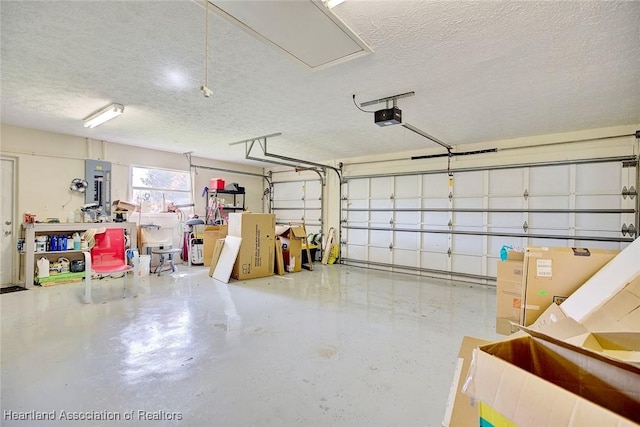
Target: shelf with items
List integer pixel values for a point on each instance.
(31, 231)
(218, 203)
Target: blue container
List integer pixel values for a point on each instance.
(503, 252)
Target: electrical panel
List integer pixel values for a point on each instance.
(98, 176)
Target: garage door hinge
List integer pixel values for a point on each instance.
(449, 252)
(450, 195)
(450, 224)
(631, 192)
(525, 194)
(390, 246)
(525, 226)
(391, 221)
(630, 229)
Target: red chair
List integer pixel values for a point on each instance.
(108, 256)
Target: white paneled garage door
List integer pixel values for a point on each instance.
(456, 225)
(298, 201)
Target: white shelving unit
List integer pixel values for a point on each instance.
(31, 231)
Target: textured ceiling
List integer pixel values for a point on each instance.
(481, 71)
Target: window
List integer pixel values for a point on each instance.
(155, 189)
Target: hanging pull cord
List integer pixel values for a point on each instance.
(206, 43)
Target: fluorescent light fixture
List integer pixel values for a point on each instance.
(333, 3)
(103, 115)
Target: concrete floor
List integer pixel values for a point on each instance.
(339, 346)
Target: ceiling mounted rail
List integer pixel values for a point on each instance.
(234, 171)
(297, 164)
(393, 98)
(426, 135)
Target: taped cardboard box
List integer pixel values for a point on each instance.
(536, 380)
(552, 274)
(509, 292)
(211, 234)
(256, 256)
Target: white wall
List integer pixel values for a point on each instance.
(47, 162)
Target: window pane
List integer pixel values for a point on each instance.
(151, 200)
(160, 179)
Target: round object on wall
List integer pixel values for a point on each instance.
(79, 185)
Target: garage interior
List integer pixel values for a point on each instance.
(397, 157)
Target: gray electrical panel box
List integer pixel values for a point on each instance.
(98, 176)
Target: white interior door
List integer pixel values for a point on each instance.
(7, 254)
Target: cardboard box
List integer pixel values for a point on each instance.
(552, 274)
(256, 256)
(565, 371)
(509, 293)
(536, 380)
(612, 330)
(609, 300)
(291, 237)
(211, 234)
(605, 283)
(619, 313)
(461, 409)
(122, 206)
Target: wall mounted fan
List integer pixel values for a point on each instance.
(79, 185)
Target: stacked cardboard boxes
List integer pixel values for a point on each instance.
(577, 365)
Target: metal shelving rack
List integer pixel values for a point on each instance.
(214, 204)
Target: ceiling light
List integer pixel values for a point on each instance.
(103, 115)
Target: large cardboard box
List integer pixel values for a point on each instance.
(211, 234)
(509, 293)
(620, 313)
(291, 238)
(612, 278)
(256, 256)
(552, 274)
(536, 380)
(461, 409)
(612, 329)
